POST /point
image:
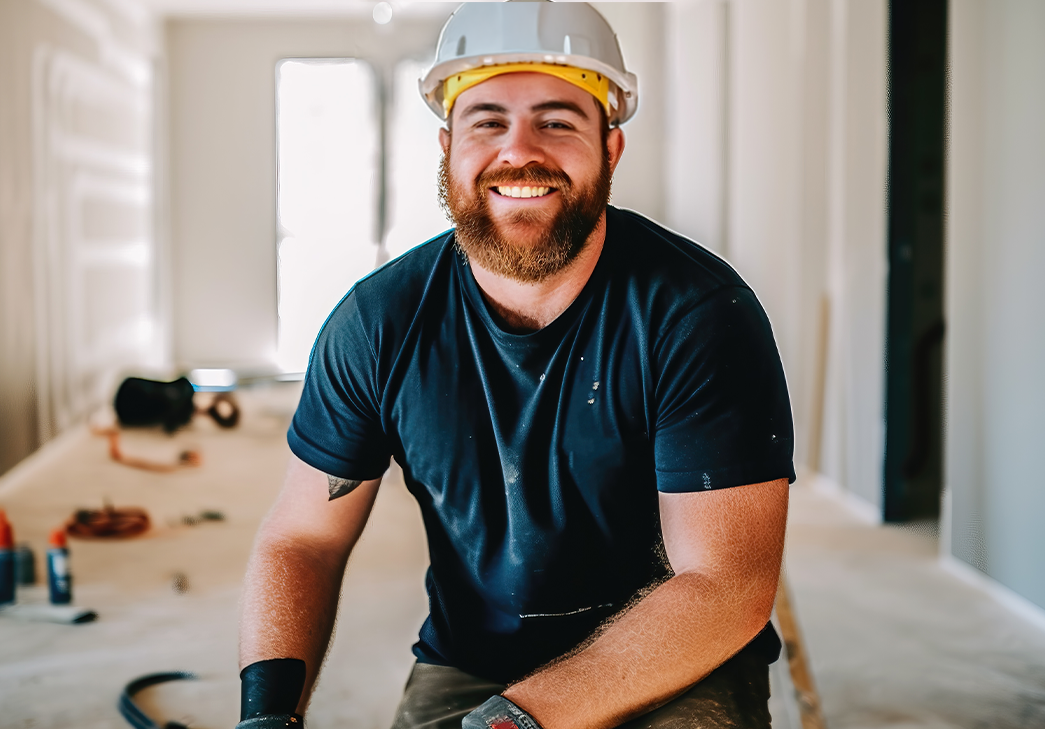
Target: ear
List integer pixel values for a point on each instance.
(444, 140)
(614, 147)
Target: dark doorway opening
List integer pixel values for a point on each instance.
(915, 325)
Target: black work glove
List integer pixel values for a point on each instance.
(270, 693)
(499, 713)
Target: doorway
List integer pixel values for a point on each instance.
(915, 327)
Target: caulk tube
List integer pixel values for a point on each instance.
(7, 561)
(59, 582)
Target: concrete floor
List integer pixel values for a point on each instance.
(897, 641)
(894, 640)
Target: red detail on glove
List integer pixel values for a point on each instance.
(504, 724)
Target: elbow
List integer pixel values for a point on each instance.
(757, 618)
(759, 608)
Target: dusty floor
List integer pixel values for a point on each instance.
(70, 676)
(895, 641)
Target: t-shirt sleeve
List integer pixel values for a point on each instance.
(723, 414)
(337, 426)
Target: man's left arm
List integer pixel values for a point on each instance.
(725, 547)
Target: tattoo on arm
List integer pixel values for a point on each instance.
(340, 486)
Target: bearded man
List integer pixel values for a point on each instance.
(589, 409)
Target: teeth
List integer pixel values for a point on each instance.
(523, 191)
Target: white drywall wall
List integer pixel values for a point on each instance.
(695, 69)
(79, 290)
(995, 298)
(775, 129)
(764, 139)
(853, 438)
(18, 431)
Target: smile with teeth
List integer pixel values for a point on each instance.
(523, 191)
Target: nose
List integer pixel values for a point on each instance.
(521, 147)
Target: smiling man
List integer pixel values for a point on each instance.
(589, 409)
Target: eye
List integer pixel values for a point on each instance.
(556, 124)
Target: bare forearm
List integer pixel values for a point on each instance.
(726, 548)
(294, 576)
(670, 640)
(289, 605)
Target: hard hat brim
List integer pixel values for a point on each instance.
(623, 93)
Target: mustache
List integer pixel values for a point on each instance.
(533, 175)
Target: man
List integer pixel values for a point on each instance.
(589, 409)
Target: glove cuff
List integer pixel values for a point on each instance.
(273, 721)
(499, 713)
(271, 688)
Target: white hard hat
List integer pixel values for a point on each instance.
(551, 37)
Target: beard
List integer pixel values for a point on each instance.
(560, 236)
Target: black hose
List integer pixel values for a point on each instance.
(134, 715)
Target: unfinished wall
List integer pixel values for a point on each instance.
(696, 120)
(857, 164)
(764, 153)
(18, 430)
(995, 352)
(776, 158)
(78, 281)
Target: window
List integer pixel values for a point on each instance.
(329, 185)
(328, 155)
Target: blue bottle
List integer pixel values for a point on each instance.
(59, 581)
(7, 561)
(25, 565)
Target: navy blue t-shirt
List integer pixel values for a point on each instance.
(536, 458)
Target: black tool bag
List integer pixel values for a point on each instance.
(141, 402)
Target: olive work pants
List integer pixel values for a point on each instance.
(735, 695)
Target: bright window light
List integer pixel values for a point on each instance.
(414, 215)
(327, 137)
(212, 380)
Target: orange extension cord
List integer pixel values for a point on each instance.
(108, 523)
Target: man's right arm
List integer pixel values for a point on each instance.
(294, 576)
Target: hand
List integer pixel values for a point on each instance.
(499, 713)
